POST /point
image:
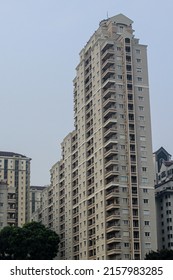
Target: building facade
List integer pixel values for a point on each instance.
(103, 185)
(164, 198)
(3, 204)
(35, 198)
(15, 171)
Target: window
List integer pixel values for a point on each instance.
(147, 234)
(119, 58)
(141, 98)
(125, 211)
(141, 108)
(138, 51)
(126, 233)
(144, 169)
(143, 159)
(122, 157)
(145, 190)
(122, 126)
(124, 168)
(127, 40)
(146, 201)
(119, 77)
(123, 178)
(138, 60)
(139, 79)
(139, 69)
(146, 223)
(120, 86)
(140, 89)
(148, 245)
(124, 200)
(142, 127)
(146, 212)
(120, 96)
(119, 67)
(142, 138)
(141, 118)
(121, 28)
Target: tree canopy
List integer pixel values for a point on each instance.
(31, 242)
(164, 254)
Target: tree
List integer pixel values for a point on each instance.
(164, 254)
(31, 242)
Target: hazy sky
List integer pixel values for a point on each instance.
(40, 41)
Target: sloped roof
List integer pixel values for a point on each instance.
(161, 149)
(122, 19)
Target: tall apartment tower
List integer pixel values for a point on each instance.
(15, 171)
(106, 204)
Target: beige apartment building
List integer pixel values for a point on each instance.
(15, 172)
(103, 187)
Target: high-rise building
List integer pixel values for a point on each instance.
(164, 198)
(35, 198)
(15, 171)
(104, 183)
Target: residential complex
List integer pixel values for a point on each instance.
(15, 185)
(164, 198)
(101, 197)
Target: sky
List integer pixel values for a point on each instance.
(40, 41)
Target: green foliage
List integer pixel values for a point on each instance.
(31, 242)
(160, 255)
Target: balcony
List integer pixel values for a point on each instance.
(112, 183)
(114, 250)
(108, 83)
(110, 71)
(113, 204)
(113, 228)
(110, 112)
(109, 141)
(108, 92)
(109, 173)
(111, 120)
(113, 216)
(108, 63)
(109, 132)
(113, 161)
(115, 239)
(109, 102)
(107, 54)
(110, 152)
(112, 193)
(11, 208)
(106, 46)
